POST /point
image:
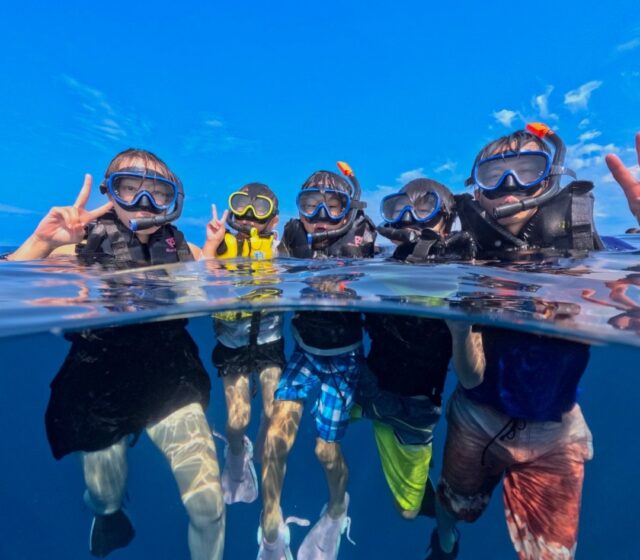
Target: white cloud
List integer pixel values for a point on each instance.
(541, 103)
(99, 120)
(7, 209)
(410, 175)
(584, 123)
(505, 117)
(589, 135)
(214, 123)
(212, 135)
(577, 99)
(629, 45)
(450, 166)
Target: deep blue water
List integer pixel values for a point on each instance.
(43, 512)
(44, 515)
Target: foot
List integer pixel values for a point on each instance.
(278, 550)
(239, 480)
(323, 541)
(436, 553)
(110, 532)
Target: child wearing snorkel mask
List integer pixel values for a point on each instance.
(327, 357)
(248, 342)
(514, 415)
(115, 382)
(400, 388)
(518, 205)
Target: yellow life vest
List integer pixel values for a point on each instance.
(255, 247)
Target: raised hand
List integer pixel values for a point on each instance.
(630, 185)
(216, 229)
(64, 225)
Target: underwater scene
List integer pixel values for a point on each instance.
(56, 315)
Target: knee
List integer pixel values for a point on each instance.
(328, 453)
(408, 514)
(205, 510)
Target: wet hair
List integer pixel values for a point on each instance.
(255, 189)
(149, 161)
(419, 187)
(327, 180)
(512, 143)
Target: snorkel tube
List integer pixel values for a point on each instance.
(356, 205)
(543, 132)
(157, 221)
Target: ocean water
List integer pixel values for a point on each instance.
(594, 300)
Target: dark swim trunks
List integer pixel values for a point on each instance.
(248, 359)
(116, 381)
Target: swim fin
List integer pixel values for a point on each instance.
(428, 506)
(110, 532)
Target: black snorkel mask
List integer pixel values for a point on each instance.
(354, 205)
(136, 188)
(518, 183)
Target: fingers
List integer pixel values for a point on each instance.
(214, 213)
(85, 191)
(620, 173)
(93, 214)
(225, 215)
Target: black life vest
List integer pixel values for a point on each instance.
(561, 225)
(109, 240)
(358, 242)
(329, 329)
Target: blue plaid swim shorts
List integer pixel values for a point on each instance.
(335, 377)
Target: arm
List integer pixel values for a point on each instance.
(61, 228)
(625, 178)
(468, 354)
(215, 233)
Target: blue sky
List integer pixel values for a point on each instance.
(228, 93)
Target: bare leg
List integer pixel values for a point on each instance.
(269, 378)
(336, 473)
(236, 394)
(105, 474)
(281, 434)
(184, 437)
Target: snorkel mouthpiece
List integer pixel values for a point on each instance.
(158, 221)
(543, 132)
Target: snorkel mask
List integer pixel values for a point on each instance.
(255, 202)
(137, 188)
(522, 173)
(411, 213)
(331, 205)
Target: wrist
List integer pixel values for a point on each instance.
(33, 248)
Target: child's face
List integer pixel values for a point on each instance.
(335, 206)
(522, 217)
(125, 215)
(269, 225)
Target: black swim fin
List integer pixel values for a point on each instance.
(110, 532)
(428, 506)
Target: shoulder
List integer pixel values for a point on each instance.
(195, 250)
(64, 250)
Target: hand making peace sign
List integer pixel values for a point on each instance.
(64, 225)
(630, 185)
(216, 228)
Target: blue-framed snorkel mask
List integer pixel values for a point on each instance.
(522, 173)
(400, 209)
(323, 204)
(136, 188)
